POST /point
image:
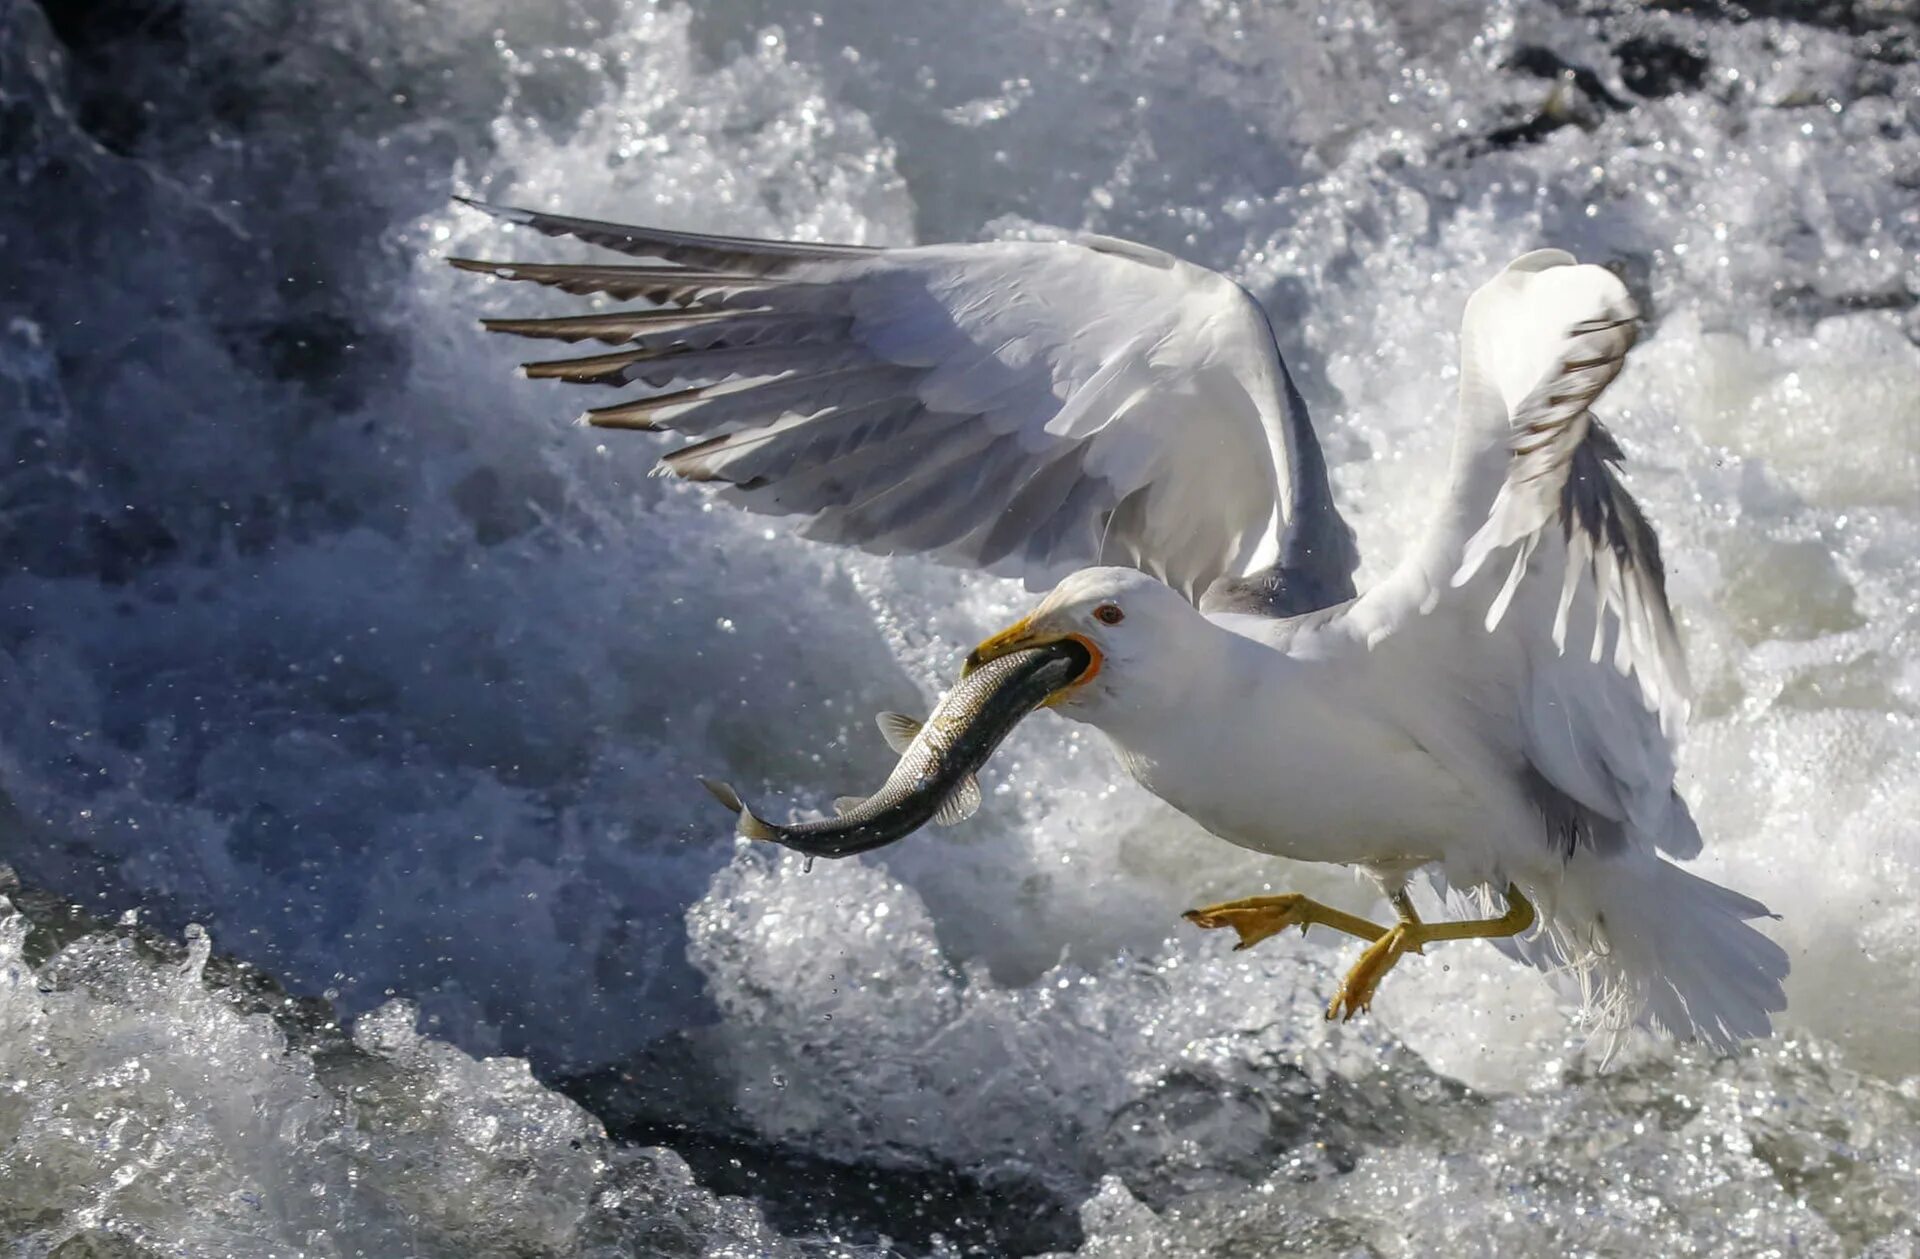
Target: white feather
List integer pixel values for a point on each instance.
(1154, 382)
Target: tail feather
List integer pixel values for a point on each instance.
(1656, 946)
(749, 826)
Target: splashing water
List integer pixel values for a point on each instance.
(323, 630)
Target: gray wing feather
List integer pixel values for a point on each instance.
(729, 253)
(1539, 541)
(1318, 554)
(1024, 407)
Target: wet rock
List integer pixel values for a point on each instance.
(1544, 63)
(1654, 67)
(1578, 98)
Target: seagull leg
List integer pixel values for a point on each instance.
(1258, 917)
(1410, 935)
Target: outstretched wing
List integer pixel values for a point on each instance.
(1538, 541)
(1026, 408)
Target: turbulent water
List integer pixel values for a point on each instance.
(321, 632)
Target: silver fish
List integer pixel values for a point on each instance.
(934, 779)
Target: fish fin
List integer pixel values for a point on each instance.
(749, 827)
(899, 730)
(961, 803)
(843, 805)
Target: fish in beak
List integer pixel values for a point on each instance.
(1025, 633)
(934, 778)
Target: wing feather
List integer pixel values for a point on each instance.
(1540, 543)
(613, 327)
(666, 285)
(665, 367)
(1024, 407)
(732, 253)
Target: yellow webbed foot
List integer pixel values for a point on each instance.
(1258, 917)
(1356, 991)
(1410, 935)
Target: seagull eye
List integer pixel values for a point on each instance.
(1109, 614)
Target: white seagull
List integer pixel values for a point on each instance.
(1102, 418)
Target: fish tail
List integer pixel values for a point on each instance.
(749, 827)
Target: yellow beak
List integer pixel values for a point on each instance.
(1023, 634)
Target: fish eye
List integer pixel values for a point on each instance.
(1109, 614)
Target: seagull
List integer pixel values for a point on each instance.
(1115, 426)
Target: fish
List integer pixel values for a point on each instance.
(934, 780)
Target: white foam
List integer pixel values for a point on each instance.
(144, 1112)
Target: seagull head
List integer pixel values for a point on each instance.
(1135, 628)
